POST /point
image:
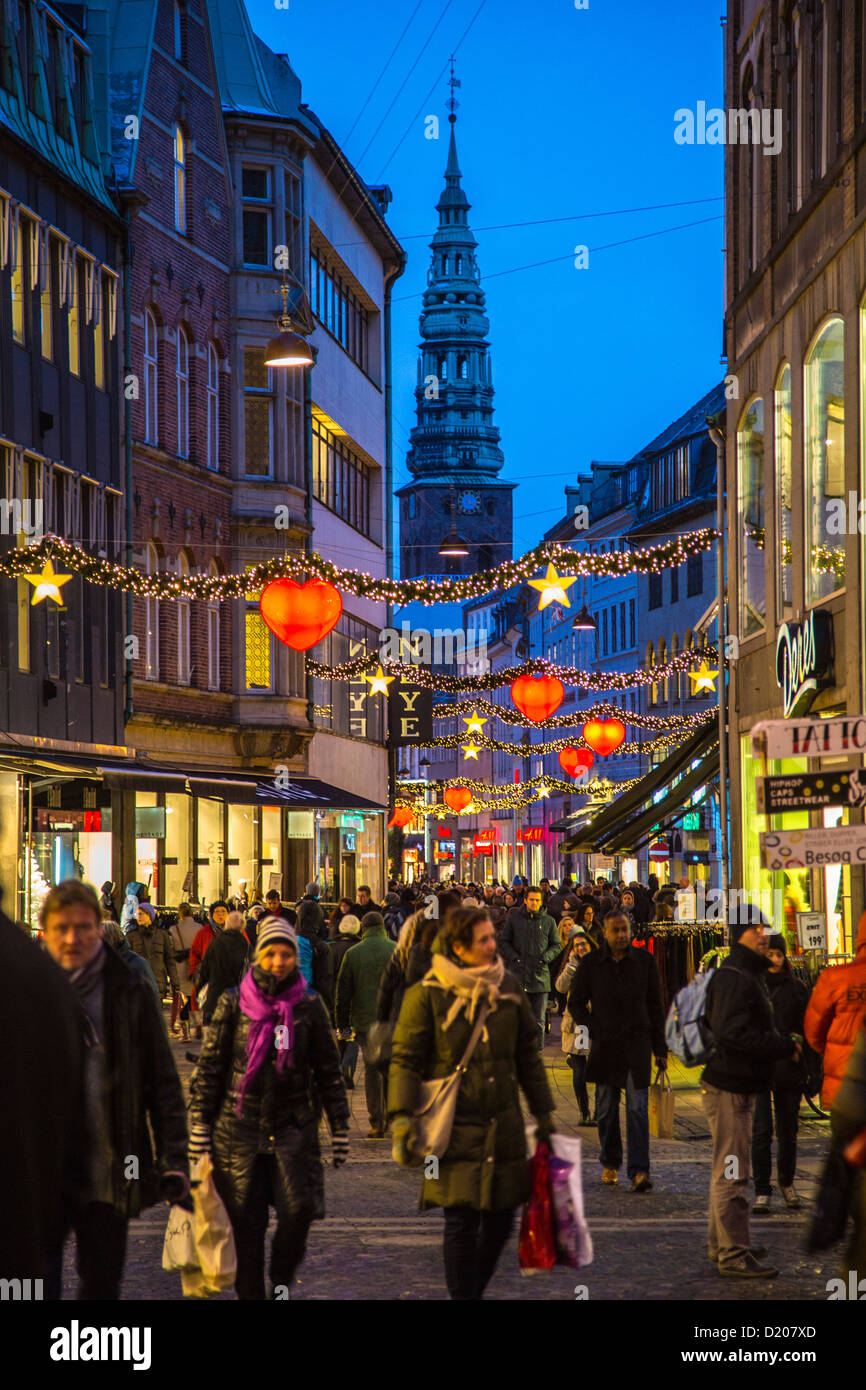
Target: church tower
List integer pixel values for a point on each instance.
(454, 456)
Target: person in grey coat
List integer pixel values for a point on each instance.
(529, 943)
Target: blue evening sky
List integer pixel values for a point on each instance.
(563, 112)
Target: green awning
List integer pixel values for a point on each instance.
(633, 835)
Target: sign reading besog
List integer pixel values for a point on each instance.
(809, 738)
(811, 849)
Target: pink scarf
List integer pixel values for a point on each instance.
(266, 1013)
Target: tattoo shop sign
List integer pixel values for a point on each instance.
(844, 735)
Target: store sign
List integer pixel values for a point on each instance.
(300, 825)
(87, 821)
(804, 656)
(812, 931)
(813, 849)
(487, 837)
(807, 791)
(692, 820)
(348, 822)
(533, 834)
(410, 715)
(810, 738)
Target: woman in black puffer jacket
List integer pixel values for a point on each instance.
(269, 1063)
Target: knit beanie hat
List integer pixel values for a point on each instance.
(149, 909)
(220, 902)
(777, 943)
(273, 929)
(349, 925)
(743, 917)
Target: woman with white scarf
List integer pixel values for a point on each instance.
(484, 1174)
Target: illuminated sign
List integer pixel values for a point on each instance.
(804, 655)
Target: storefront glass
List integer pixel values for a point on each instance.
(271, 855)
(178, 861)
(242, 831)
(779, 895)
(752, 535)
(351, 850)
(147, 846)
(210, 855)
(825, 462)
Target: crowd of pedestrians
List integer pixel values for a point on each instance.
(435, 985)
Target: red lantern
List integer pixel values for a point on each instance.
(402, 816)
(604, 735)
(300, 615)
(574, 761)
(538, 697)
(458, 798)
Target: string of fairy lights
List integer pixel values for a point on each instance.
(679, 723)
(516, 797)
(474, 744)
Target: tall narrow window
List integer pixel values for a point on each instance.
(74, 320)
(213, 636)
(98, 331)
(178, 31)
(179, 181)
(151, 620)
(213, 408)
(182, 393)
(17, 284)
(183, 633)
(46, 302)
(665, 687)
(151, 382)
(258, 415)
(818, 93)
(825, 463)
(257, 216)
(793, 124)
(650, 663)
(782, 441)
(258, 666)
(752, 533)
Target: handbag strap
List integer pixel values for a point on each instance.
(473, 1040)
(662, 1075)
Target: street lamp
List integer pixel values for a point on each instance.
(288, 348)
(584, 621)
(453, 544)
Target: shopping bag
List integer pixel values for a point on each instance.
(537, 1247)
(214, 1239)
(661, 1107)
(576, 1239)
(379, 1038)
(178, 1247)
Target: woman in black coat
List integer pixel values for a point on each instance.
(268, 1065)
(788, 1000)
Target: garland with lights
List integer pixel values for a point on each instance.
(669, 554)
(684, 723)
(483, 742)
(499, 799)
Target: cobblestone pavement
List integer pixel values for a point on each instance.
(375, 1244)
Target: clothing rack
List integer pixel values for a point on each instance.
(679, 949)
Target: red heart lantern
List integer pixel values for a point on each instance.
(458, 798)
(300, 614)
(604, 735)
(538, 697)
(402, 816)
(574, 761)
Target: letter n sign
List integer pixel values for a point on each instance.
(410, 715)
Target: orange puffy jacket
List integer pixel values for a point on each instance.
(837, 1005)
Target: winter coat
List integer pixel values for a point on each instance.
(144, 1090)
(740, 1019)
(201, 941)
(620, 1003)
(43, 1156)
(321, 967)
(322, 931)
(392, 988)
(562, 903)
(847, 1121)
(529, 942)
(222, 968)
(140, 967)
(280, 1110)
(485, 1164)
(788, 999)
(183, 934)
(358, 981)
(153, 944)
(835, 1010)
(564, 978)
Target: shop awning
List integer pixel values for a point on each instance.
(662, 813)
(613, 820)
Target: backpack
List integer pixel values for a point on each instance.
(687, 1032)
(305, 959)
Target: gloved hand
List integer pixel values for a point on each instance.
(174, 1188)
(662, 1063)
(340, 1148)
(200, 1142)
(402, 1132)
(544, 1128)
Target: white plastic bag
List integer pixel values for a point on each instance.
(215, 1260)
(178, 1248)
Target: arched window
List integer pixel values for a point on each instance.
(443, 369)
(458, 264)
(179, 181)
(824, 456)
(750, 513)
(183, 634)
(213, 636)
(782, 444)
(182, 393)
(151, 388)
(213, 408)
(463, 367)
(151, 619)
(650, 663)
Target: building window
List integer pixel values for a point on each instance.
(258, 415)
(463, 367)
(151, 619)
(46, 302)
(151, 426)
(818, 96)
(184, 659)
(98, 330)
(825, 461)
(655, 591)
(213, 408)
(677, 678)
(694, 576)
(750, 514)
(179, 159)
(675, 585)
(258, 663)
(604, 632)
(18, 278)
(782, 440)
(294, 221)
(443, 369)
(179, 31)
(750, 180)
(295, 432)
(669, 478)
(213, 636)
(341, 479)
(613, 644)
(257, 213)
(650, 663)
(182, 393)
(665, 687)
(632, 634)
(338, 307)
(74, 320)
(792, 132)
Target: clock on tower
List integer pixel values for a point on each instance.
(469, 503)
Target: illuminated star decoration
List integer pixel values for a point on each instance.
(47, 584)
(543, 791)
(552, 587)
(703, 679)
(379, 682)
(475, 725)
(470, 751)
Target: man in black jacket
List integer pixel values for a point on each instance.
(529, 943)
(747, 1048)
(616, 997)
(131, 1089)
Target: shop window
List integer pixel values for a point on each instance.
(750, 511)
(210, 848)
(824, 455)
(178, 861)
(782, 444)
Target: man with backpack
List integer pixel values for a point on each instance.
(742, 1048)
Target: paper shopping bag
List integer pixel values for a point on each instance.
(178, 1248)
(661, 1107)
(214, 1239)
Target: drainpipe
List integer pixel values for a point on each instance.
(389, 522)
(716, 433)
(127, 455)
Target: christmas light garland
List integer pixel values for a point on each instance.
(485, 742)
(685, 723)
(510, 798)
(669, 554)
